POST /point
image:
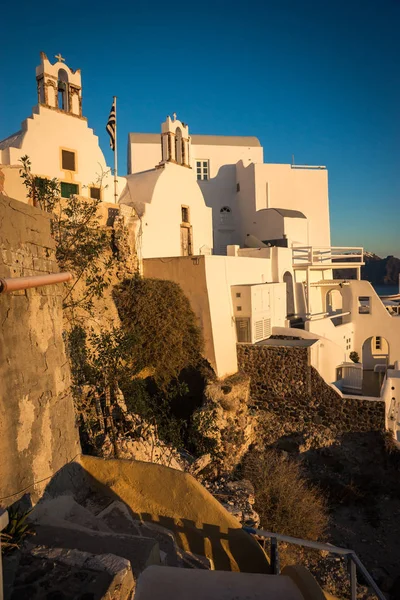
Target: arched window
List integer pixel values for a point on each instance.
(225, 215)
(178, 146)
(62, 90)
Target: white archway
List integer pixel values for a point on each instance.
(375, 351)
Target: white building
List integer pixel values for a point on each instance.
(57, 140)
(242, 190)
(170, 213)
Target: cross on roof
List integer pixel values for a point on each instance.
(59, 58)
(174, 115)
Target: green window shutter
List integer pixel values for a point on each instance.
(68, 189)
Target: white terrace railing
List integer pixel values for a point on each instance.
(329, 257)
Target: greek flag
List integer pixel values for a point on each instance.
(111, 124)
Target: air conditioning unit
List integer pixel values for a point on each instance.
(256, 309)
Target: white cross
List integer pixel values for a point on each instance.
(174, 115)
(59, 58)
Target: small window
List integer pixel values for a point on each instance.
(185, 214)
(95, 192)
(378, 343)
(202, 169)
(364, 305)
(68, 189)
(238, 187)
(238, 308)
(225, 209)
(68, 160)
(238, 294)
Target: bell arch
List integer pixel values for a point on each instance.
(63, 90)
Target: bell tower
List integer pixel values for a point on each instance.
(175, 142)
(58, 86)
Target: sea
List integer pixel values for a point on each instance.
(386, 290)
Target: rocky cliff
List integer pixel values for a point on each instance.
(379, 271)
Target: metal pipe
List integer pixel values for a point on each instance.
(13, 284)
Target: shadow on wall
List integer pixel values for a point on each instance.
(168, 498)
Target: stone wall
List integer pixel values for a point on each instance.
(37, 420)
(284, 383)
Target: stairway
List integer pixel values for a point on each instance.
(96, 549)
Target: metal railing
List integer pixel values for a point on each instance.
(354, 563)
(318, 256)
(3, 525)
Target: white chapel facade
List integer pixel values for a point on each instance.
(57, 140)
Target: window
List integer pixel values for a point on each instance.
(95, 193)
(238, 187)
(364, 305)
(203, 169)
(69, 189)
(238, 294)
(185, 214)
(378, 343)
(238, 308)
(68, 160)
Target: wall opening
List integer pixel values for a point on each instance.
(334, 302)
(62, 90)
(288, 280)
(178, 146)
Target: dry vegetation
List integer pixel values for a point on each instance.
(285, 501)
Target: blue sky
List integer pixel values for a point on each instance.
(320, 80)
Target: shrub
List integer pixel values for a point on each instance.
(158, 314)
(354, 357)
(286, 502)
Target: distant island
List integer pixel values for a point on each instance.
(379, 271)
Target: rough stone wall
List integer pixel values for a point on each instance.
(284, 383)
(37, 421)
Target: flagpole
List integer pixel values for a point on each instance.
(115, 155)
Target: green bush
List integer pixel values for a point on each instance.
(159, 316)
(286, 502)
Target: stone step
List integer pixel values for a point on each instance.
(64, 511)
(62, 574)
(169, 583)
(140, 551)
(119, 520)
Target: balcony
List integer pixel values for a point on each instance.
(327, 257)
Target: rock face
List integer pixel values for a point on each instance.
(379, 271)
(37, 421)
(226, 420)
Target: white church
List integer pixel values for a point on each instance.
(248, 242)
